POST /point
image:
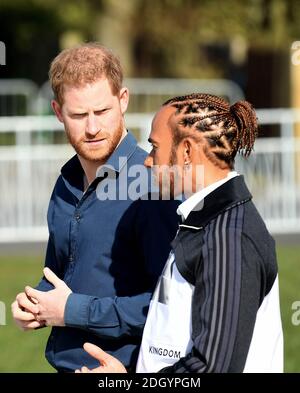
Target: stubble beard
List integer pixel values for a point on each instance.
(167, 179)
(101, 154)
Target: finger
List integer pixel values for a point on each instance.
(21, 315)
(33, 300)
(31, 325)
(41, 319)
(77, 371)
(52, 277)
(41, 324)
(100, 369)
(33, 293)
(85, 369)
(24, 316)
(24, 302)
(96, 352)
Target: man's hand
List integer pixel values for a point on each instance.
(24, 311)
(108, 364)
(51, 305)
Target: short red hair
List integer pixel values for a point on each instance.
(85, 64)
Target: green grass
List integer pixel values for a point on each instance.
(20, 351)
(24, 352)
(289, 281)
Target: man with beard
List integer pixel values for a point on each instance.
(215, 308)
(103, 256)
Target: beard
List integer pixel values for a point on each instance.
(168, 177)
(110, 140)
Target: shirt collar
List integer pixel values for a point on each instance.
(122, 153)
(188, 205)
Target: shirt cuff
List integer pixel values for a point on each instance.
(77, 310)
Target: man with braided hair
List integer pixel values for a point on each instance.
(216, 305)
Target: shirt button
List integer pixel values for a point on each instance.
(71, 258)
(77, 217)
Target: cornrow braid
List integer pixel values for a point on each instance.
(226, 129)
(247, 127)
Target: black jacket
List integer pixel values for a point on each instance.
(226, 252)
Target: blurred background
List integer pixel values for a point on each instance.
(236, 49)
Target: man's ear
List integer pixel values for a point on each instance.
(124, 99)
(57, 110)
(187, 151)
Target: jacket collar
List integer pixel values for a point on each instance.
(228, 195)
(188, 205)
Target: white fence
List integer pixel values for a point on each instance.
(146, 95)
(18, 97)
(24, 97)
(28, 172)
(273, 177)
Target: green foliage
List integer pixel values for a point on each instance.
(164, 37)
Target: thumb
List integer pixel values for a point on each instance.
(52, 277)
(33, 293)
(97, 353)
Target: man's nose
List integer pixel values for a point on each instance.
(92, 127)
(149, 161)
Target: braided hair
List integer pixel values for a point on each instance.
(226, 129)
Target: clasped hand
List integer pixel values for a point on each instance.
(33, 308)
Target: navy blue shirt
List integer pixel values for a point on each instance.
(110, 253)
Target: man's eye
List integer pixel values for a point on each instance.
(78, 115)
(100, 112)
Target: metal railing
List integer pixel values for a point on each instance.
(34, 148)
(18, 97)
(28, 172)
(23, 97)
(272, 174)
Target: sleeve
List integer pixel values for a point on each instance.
(226, 299)
(51, 260)
(114, 317)
(108, 317)
(156, 228)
